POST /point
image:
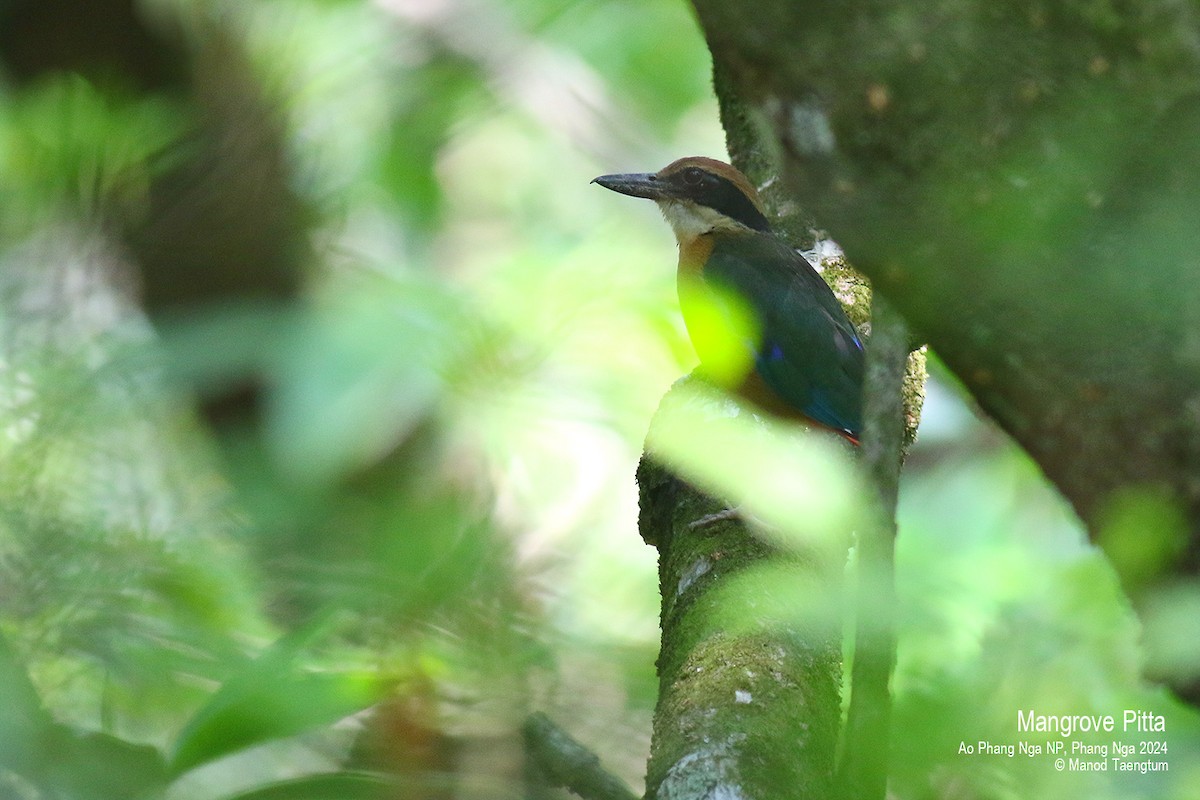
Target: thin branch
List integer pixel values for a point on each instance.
(568, 763)
(864, 767)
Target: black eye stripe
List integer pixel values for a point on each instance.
(722, 195)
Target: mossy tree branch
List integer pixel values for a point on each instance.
(744, 710)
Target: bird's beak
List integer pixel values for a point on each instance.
(634, 184)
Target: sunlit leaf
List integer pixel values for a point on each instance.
(781, 595)
(797, 481)
(724, 330)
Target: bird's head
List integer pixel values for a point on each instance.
(697, 195)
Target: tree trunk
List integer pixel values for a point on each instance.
(1023, 182)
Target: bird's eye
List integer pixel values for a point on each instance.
(693, 176)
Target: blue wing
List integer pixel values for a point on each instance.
(810, 355)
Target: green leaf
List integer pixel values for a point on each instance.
(800, 483)
(361, 373)
(275, 697)
(88, 765)
(24, 723)
(328, 786)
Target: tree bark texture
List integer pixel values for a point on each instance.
(1022, 180)
(743, 710)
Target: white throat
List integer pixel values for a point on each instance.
(689, 220)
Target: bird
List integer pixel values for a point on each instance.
(764, 324)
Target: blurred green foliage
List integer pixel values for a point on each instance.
(430, 532)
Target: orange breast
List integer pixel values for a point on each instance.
(692, 256)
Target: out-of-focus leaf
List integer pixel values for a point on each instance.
(780, 595)
(210, 353)
(275, 697)
(406, 167)
(361, 374)
(1171, 617)
(663, 76)
(724, 329)
(97, 766)
(331, 786)
(794, 480)
(66, 142)
(1143, 534)
(23, 721)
